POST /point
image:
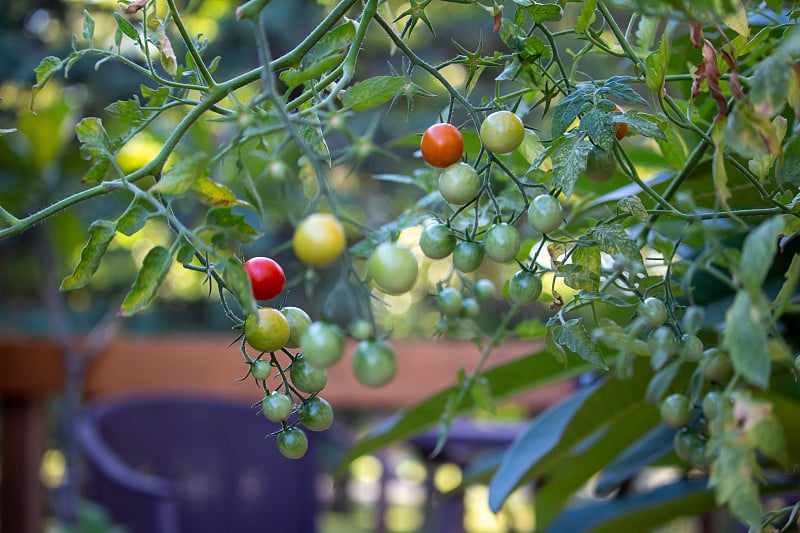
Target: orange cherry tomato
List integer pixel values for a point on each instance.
(442, 145)
(620, 128)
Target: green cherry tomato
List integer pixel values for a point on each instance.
(322, 344)
(468, 256)
(307, 377)
(276, 406)
(675, 410)
(501, 243)
(716, 366)
(484, 289)
(545, 213)
(393, 267)
(684, 442)
(698, 458)
(316, 414)
(267, 330)
(712, 404)
(601, 165)
(449, 301)
(374, 363)
(470, 308)
(524, 288)
(653, 312)
(502, 132)
(690, 347)
(459, 183)
(260, 369)
(298, 323)
(292, 443)
(361, 329)
(437, 241)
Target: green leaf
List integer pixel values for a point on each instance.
(182, 175)
(597, 125)
(133, 219)
(643, 511)
(127, 111)
(758, 252)
(568, 109)
(154, 268)
(506, 380)
(482, 394)
(788, 288)
(656, 70)
(88, 26)
(750, 134)
(732, 477)
(95, 143)
(540, 12)
(237, 281)
(788, 168)
(327, 54)
(617, 88)
(231, 224)
(101, 233)
(718, 172)
(557, 431)
(126, 27)
(652, 447)
(569, 162)
(572, 471)
(613, 240)
(746, 340)
(574, 336)
(770, 84)
(46, 69)
(645, 125)
(646, 32)
(660, 382)
(587, 276)
(586, 17)
(633, 205)
(373, 92)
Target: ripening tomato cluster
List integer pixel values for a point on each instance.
(696, 412)
(295, 352)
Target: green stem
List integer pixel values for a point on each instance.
(187, 40)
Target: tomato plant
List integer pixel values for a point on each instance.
(683, 266)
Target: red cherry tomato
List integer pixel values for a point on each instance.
(266, 277)
(620, 128)
(442, 145)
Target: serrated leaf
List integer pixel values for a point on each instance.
(574, 336)
(613, 240)
(568, 109)
(588, 276)
(758, 252)
(127, 111)
(373, 92)
(154, 268)
(183, 175)
(746, 340)
(101, 233)
(126, 27)
(598, 126)
(569, 162)
(641, 124)
(215, 194)
(634, 206)
(540, 12)
(46, 69)
(232, 224)
(617, 88)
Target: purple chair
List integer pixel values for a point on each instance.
(193, 465)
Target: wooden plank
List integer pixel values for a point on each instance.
(187, 364)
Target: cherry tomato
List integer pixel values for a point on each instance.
(393, 267)
(459, 183)
(267, 330)
(374, 363)
(712, 404)
(292, 443)
(322, 344)
(690, 347)
(620, 128)
(276, 406)
(316, 414)
(298, 323)
(470, 308)
(502, 243)
(437, 241)
(307, 377)
(484, 289)
(502, 132)
(716, 366)
(545, 213)
(319, 239)
(449, 301)
(653, 312)
(260, 369)
(601, 165)
(266, 277)
(468, 256)
(684, 442)
(442, 145)
(675, 410)
(361, 329)
(524, 288)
